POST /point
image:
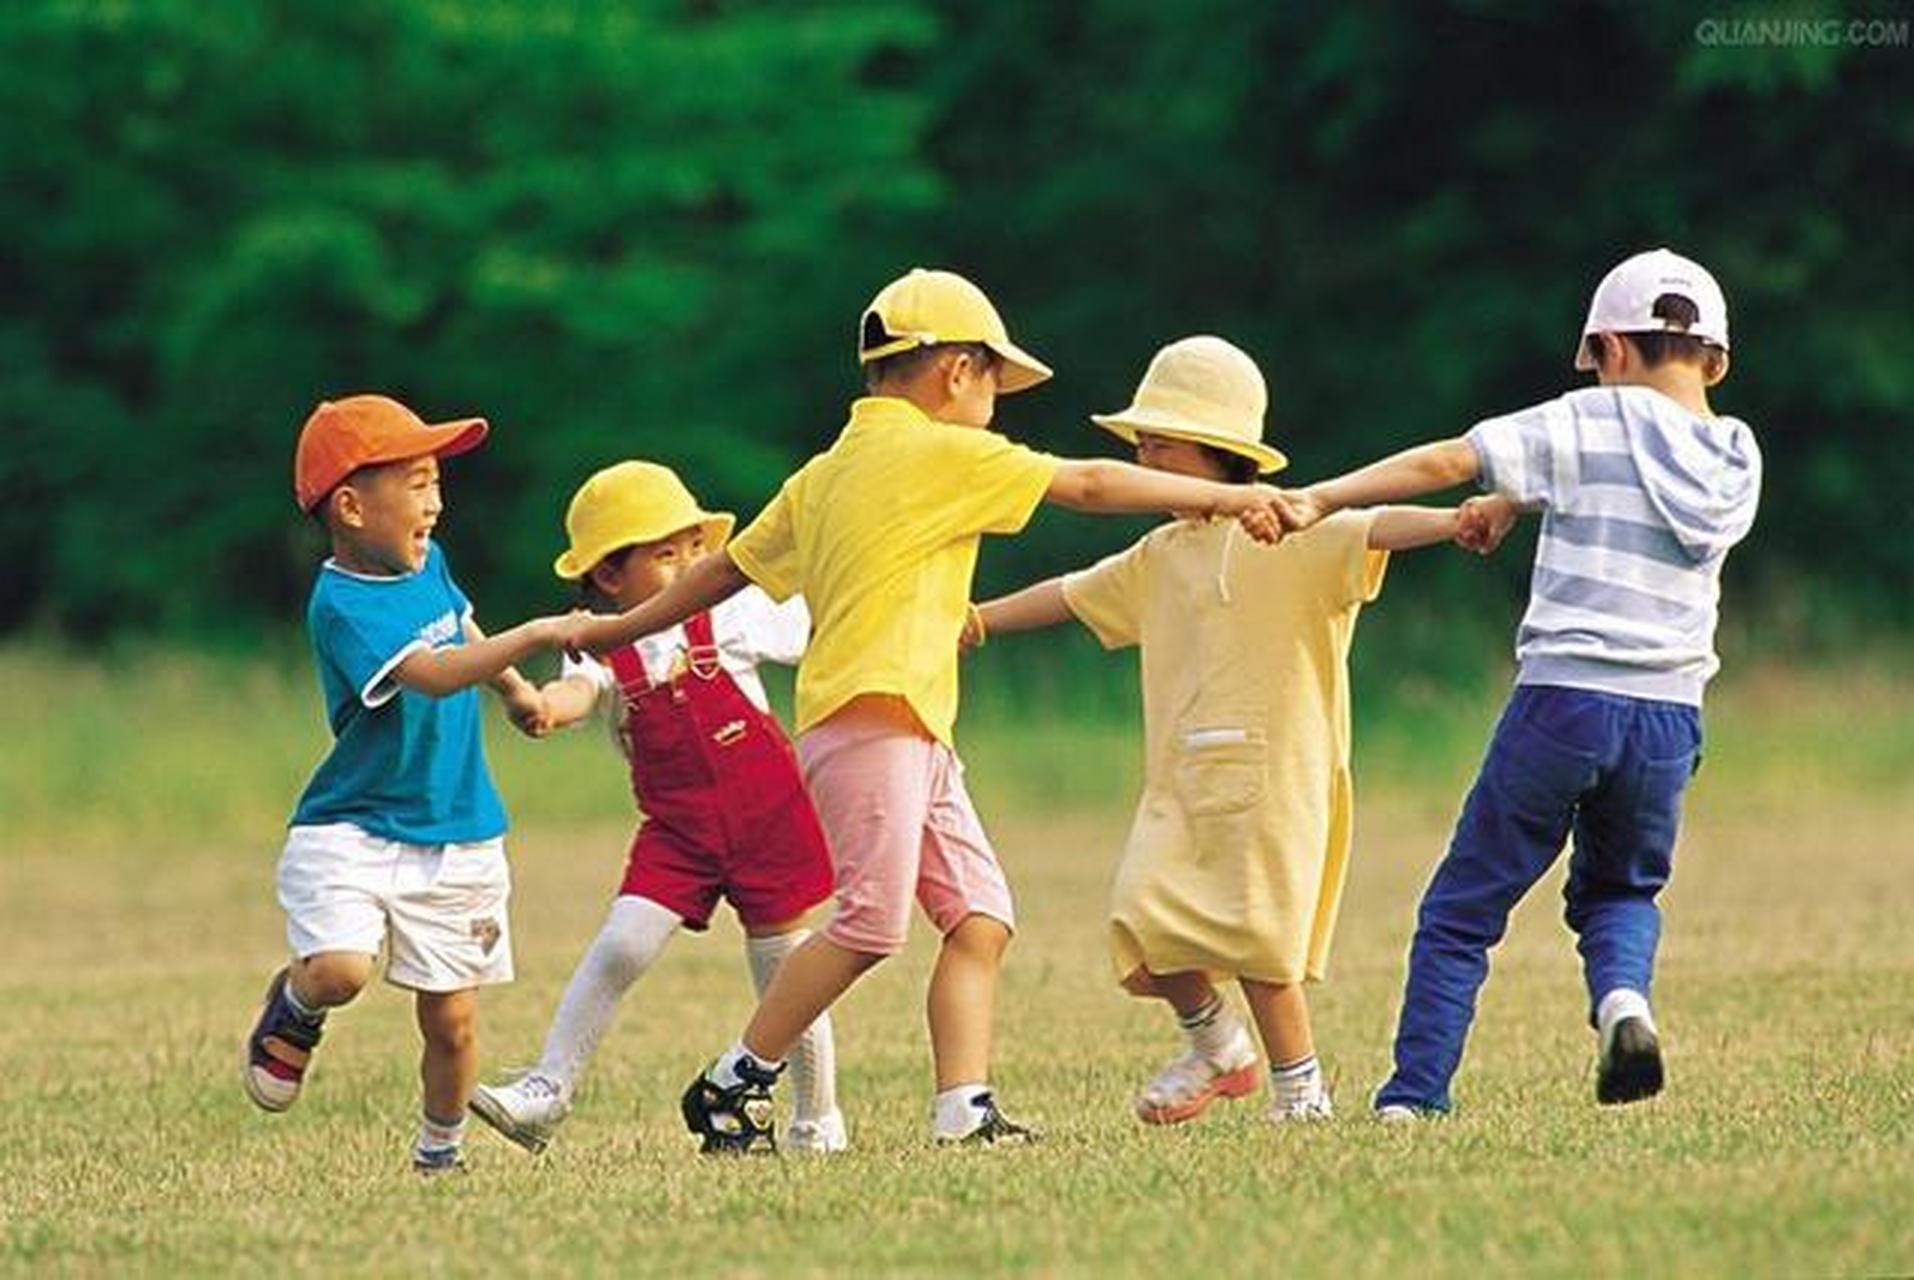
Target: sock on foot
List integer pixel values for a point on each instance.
(1211, 1029)
(312, 1016)
(436, 1137)
(724, 1072)
(954, 1112)
(1291, 1083)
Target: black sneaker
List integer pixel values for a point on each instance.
(279, 1050)
(995, 1129)
(1630, 1067)
(737, 1120)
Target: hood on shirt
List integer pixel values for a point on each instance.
(1703, 475)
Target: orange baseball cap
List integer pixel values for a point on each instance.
(359, 431)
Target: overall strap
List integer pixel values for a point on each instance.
(701, 647)
(628, 668)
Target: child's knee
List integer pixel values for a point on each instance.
(331, 978)
(448, 1020)
(980, 936)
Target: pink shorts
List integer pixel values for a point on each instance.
(899, 825)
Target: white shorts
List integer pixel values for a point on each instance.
(438, 908)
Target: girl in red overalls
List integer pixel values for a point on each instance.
(725, 811)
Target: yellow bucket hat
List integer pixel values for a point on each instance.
(631, 502)
(1202, 389)
(924, 307)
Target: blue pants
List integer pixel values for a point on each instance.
(1611, 769)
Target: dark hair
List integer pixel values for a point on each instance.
(1661, 346)
(911, 361)
(588, 590)
(1237, 469)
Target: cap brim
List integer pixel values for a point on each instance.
(439, 439)
(1125, 426)
(1020, 371)
(576, 562)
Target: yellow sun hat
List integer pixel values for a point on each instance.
(630, 502)
(923, 307)
(1205, 390)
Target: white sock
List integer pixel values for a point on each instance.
(633, 936)
(1622, 1002)
(724, 1072)
(1212, 1029)
(954, 1112)
(1295, 1082)
(814, 1056)
(437, 1136)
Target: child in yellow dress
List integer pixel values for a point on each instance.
(1234, 864)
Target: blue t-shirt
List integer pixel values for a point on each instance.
(404, 765)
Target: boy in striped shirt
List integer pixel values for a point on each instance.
(1642, 490)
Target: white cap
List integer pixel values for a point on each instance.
(1624, 301)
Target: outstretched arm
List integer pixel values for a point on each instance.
(710, 581)
(1407, 528)
(1111, 487)
(1427, 468)
(439, 672)
(1038, 605)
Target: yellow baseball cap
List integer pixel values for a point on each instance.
(1205, 390)
(924, 307)
(630, 502)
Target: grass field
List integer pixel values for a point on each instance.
(140, 806)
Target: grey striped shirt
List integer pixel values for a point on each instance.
(1640, 502)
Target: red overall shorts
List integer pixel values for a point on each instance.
(726, 813)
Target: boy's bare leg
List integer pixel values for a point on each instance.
(1188, 992)
(449, 1066)
(962, 1004)
(1282, 1019)
(330, 978)
(1296, 1083)
(808, 982)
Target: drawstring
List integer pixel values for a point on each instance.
(1222, 567)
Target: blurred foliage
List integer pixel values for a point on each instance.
(646, 229)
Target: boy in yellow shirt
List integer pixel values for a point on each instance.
(1235, 860)
(880, 533)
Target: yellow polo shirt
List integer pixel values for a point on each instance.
(880, 533)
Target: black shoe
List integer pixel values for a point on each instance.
(737, 1120)
(1631, 1064)
(995, 1129)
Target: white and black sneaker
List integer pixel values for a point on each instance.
(993, 1127)
(527, 1111)
(734, 1120)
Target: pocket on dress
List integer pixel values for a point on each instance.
(1221, 770)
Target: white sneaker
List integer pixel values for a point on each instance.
(1314, 1106)
(527, 1111)
(1185, 1088)
(821, 1136)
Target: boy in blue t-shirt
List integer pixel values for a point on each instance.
(1643, 490)
(397, 840)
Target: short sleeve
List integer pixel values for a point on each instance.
(365, 646)
(989, 484)
(764, 630)
(1518, 451)
(766, 552)
(1341, 568)
(1108, 596)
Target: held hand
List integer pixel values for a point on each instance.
(529, 714)
(1482, 523)
(1260, 515)
(974, 633)
(1300, 509)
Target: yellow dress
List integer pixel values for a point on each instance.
(1235, 859)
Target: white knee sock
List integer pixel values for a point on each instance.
(634, 934)
(814, 1057)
